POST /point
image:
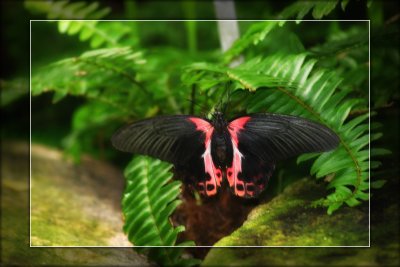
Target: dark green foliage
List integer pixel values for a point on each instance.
(95, 74)
(293, 85)
(254, 35)
(107, 74)
(101, 33)
(123, 81)
(148, 201)
(319, 9)
(124, 84)
(67, 9)
(12, 90)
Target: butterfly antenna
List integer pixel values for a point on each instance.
(227, 96)
(193, 99)
(203, 109)
(218, 105)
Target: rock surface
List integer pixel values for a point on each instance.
(71, 205)
(288, 220)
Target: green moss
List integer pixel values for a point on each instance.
(302, 257)
(58, 218)
(288, 220)
(15, 218)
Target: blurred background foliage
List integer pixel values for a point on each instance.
(69, 39)
(91, 77)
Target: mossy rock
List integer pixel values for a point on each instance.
(289, 220)
(71, 205)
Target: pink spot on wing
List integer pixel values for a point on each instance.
(209, 167)
(233, 171)
(236, 126)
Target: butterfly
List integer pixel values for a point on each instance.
(242, 151)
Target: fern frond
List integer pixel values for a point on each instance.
(106, 75)
(253, 36)
(319, 9)
(291, 85)
(346, 41)
(11, 90)
(126, 79)
(100, 33)
(118, 81)
(149, 199)
(67, 9)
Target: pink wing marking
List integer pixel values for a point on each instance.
(234, 170)
(210, 186)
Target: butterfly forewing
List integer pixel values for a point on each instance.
(170, 138)
(273, 137)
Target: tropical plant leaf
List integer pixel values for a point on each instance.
(121, 77)
(120, 80)
(343, 41)
(101, 33)
(11, 90)
(149, 199)
(319, 9)
(110, 79)
(292, 85)
(96, 75)
(67, 9)
(253, 36)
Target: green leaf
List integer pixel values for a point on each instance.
(96, 74)
(336, 205)
(67, 9)
(378, 184)
(343, 4)
(253, 36)
(300, 9)
(12, 90)
(306, 157)
(101, 33)
(149, 199)
(323, 8)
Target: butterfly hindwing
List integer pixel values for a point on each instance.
(259, 140)
(254, 176)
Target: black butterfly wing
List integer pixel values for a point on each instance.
(169, 138)
(179, 139)
(259, 140)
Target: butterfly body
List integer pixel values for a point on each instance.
(221, 146)
(242, 151)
